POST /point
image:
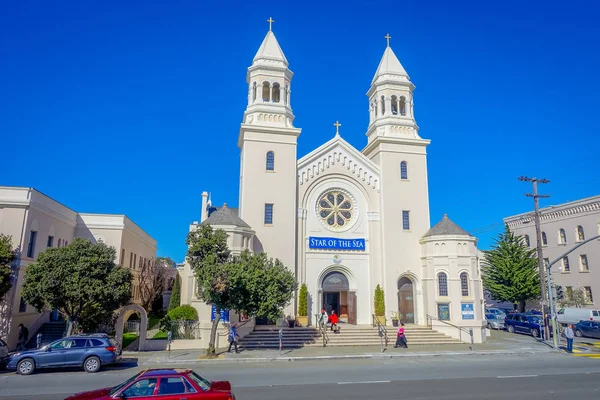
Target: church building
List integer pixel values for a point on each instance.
(346, 220)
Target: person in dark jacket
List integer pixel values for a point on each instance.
(233, 338)
(23, 337)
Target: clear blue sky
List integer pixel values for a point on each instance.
(134, 107)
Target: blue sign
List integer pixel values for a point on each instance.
(467, 311)
(224, 314)
(324, 243)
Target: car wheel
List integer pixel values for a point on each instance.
(535, 333)
(26, 366)
(91, 364)
(489, 326)
(511, 329)
(578, 333)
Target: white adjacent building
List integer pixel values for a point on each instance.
(36, 222)
(346, 220)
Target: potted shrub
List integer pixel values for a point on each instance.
(303, 306)
(291, 321)
(380, 305)
(395, 318)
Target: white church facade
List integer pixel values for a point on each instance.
(346, 220)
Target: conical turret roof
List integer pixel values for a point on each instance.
(446, 227)
(389, 65)
(270, 50)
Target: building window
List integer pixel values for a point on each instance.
(266, 91)
(442, 284)
(544, 239)
(335, 209)
(134, 260)
(270, 161)
(31, 245)
(588, 294)
(122, 260)
(276, 92)
(50, 241)
(566, 267)
(406, 220)
(464, 284)
(22, 306)
(443, 311)
(268, 214)
(130, 259)
(583, 263)
(66, 243)
(580, 233)
(403, 170)
(527, 241)
(562, 236)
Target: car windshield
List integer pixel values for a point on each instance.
(203, 383)
(535, 320)
(122, 385)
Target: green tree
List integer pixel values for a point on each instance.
(80, 280)
(303, 301)
(510, 270)
(7, 256)
(252, 284)
(379, 302)
(574, 298)
(175, 299)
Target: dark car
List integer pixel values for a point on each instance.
(589, 329)
(88, 351)
(530, 324)
(163, 384)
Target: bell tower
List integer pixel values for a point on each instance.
(268, 159)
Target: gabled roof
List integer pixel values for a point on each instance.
(389, 65)
(224, 216)
(446, 227)
(270, 50)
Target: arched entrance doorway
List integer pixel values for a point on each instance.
(337, 296)
(124, 315)
(406, 304)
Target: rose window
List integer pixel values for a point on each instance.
(335, 209)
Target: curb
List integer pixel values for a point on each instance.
(344, 357)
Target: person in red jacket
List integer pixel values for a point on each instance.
(334, 321)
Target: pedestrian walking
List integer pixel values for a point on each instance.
(324, 319)
(334, 321)
(568, 332)
(401, 339)
(23, 337)
(233, 338)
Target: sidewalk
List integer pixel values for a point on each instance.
(501, 343)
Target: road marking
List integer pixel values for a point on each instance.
(356, 383)
(516, 376)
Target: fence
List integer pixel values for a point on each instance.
(184, 329)
(132, 326)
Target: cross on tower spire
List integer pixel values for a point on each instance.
(270, 21)
(337, 128)
(388, 37)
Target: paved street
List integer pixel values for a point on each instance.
(533, 376)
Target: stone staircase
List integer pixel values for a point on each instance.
(50, 331)
(267, 337)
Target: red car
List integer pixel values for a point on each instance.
(164, 384)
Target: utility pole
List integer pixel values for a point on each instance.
(540, 256)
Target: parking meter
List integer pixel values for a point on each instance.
(38, 340)
(169, 339)
(380, 332)
(280, 340)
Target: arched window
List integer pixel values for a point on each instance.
(266, 91)
(276, 93)
(382, 105)
(442, 284)
(464, 284)
(544, 239)
(270, 161)
(402, 105)
(376, 108)
(527, 241)
(285, 94)
(394, 105)
(562, 236)
(403, 170)
(254, 92)
(580, 233)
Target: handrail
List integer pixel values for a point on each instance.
(322, 329)
(380, 326)
(228, 325)
(468, 331)
(37, 324)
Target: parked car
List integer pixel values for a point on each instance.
(3, 353)
(495, 311)
(524, 323)
(495, 321)
(507, 310)
(572, 315)
(88, 351)
(162, 384)
(589, 329)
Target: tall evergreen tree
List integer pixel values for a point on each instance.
(175, 300)
(510, 271)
